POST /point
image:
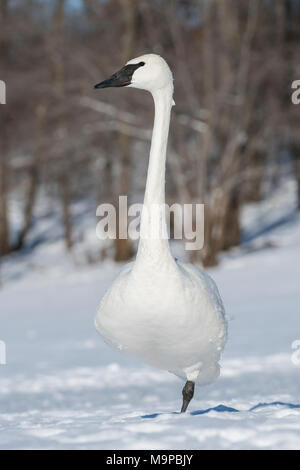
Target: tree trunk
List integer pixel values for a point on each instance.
(231, 228)
(58, 70)
(295, 151)
(123, 248)
(65, 200)
(32, 188)
(4, 165)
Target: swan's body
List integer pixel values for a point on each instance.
(169, 318)
(167, 313)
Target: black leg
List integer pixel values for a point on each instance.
(187, 394)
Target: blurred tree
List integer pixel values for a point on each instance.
(123, 249)
(234, 133)
(4, 150)
(57, 60)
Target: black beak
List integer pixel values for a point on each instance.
(118, 79)
(121, 78)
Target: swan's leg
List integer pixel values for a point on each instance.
(187, 394)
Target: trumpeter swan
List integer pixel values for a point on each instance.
(161, 310)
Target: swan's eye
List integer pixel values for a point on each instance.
(141, 64)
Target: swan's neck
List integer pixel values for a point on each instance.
(153, 245)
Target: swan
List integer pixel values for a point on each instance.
(164, 312)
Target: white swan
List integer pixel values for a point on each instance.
(167, 313)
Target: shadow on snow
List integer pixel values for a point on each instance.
(224, 409)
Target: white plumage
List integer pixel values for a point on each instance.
(167, 313)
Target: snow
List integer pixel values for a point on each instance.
(64, 388)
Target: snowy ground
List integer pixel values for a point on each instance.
(63, 388)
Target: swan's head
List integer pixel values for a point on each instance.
(149, 72)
